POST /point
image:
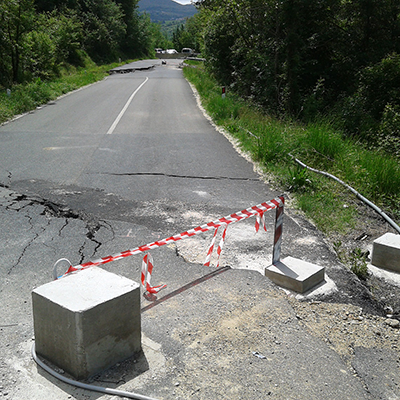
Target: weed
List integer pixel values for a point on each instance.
(298, 179)
(355, 260)
(358, 263)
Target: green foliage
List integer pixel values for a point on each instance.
(323, 144)
(16, 21)
(40, 55)
(269, 140)
(299, 180)
(372, 107)
(305, 58)
(104, 28)
(67, 32)
(160, 38)
(389, 130)
(383, 174)
(38, 37)
(359, 264)
(355, 260)
(188, 34)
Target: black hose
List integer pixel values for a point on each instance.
(361, 197)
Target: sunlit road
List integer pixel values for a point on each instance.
(134, 149)
(138, 135)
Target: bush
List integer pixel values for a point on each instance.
(380, 85)
(371, 110)
(389, 130)
(40, 55)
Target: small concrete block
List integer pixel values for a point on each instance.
(294, 274)
(386, 252)
(88, 321)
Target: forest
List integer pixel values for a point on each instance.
(308, 59)
(37, 37)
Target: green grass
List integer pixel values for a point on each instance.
(269, 141)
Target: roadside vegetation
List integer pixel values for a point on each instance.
(317, 81)
(273, 142)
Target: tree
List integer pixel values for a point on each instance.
(136, 41)
(17, 17)
(297, 56)
(159, 38)
(188, 34)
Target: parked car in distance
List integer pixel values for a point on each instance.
(171, 51)
(187, 51)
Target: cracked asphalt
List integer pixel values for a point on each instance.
(70, 190)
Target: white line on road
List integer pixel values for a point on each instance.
(115, 123)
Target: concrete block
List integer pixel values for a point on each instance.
(386, 252)
(294, 274)
(87, 321)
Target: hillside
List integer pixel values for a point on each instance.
(166, 10)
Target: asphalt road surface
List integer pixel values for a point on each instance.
(125, 162)
(139, 135)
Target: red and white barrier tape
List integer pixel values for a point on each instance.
(211, 247)
(257, 211)
(147, 269)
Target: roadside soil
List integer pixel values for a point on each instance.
(348, 326)
(369, 319)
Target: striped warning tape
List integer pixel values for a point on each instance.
(257, 211)
(147, 269)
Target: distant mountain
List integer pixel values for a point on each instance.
(166, 10)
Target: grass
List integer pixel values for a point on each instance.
(26, 97)
(270, 140)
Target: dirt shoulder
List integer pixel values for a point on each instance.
(364, 328)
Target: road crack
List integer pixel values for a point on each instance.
(21, 203)
(229, 178)
(7, 185)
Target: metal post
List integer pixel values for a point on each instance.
(276, 253)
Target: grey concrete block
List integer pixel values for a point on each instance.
(87, 321)
(294, 274)
(386, 252)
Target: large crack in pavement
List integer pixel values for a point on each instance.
(23, 205)
(218, 178)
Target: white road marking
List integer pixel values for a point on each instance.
(115, 123)
(68, 147)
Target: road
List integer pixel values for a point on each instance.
(161, 147)
(125, 162)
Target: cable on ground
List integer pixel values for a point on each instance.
(86, 386)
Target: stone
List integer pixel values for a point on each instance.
(87, 321)
(394, 323)
(294, 274)
(386, 252)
